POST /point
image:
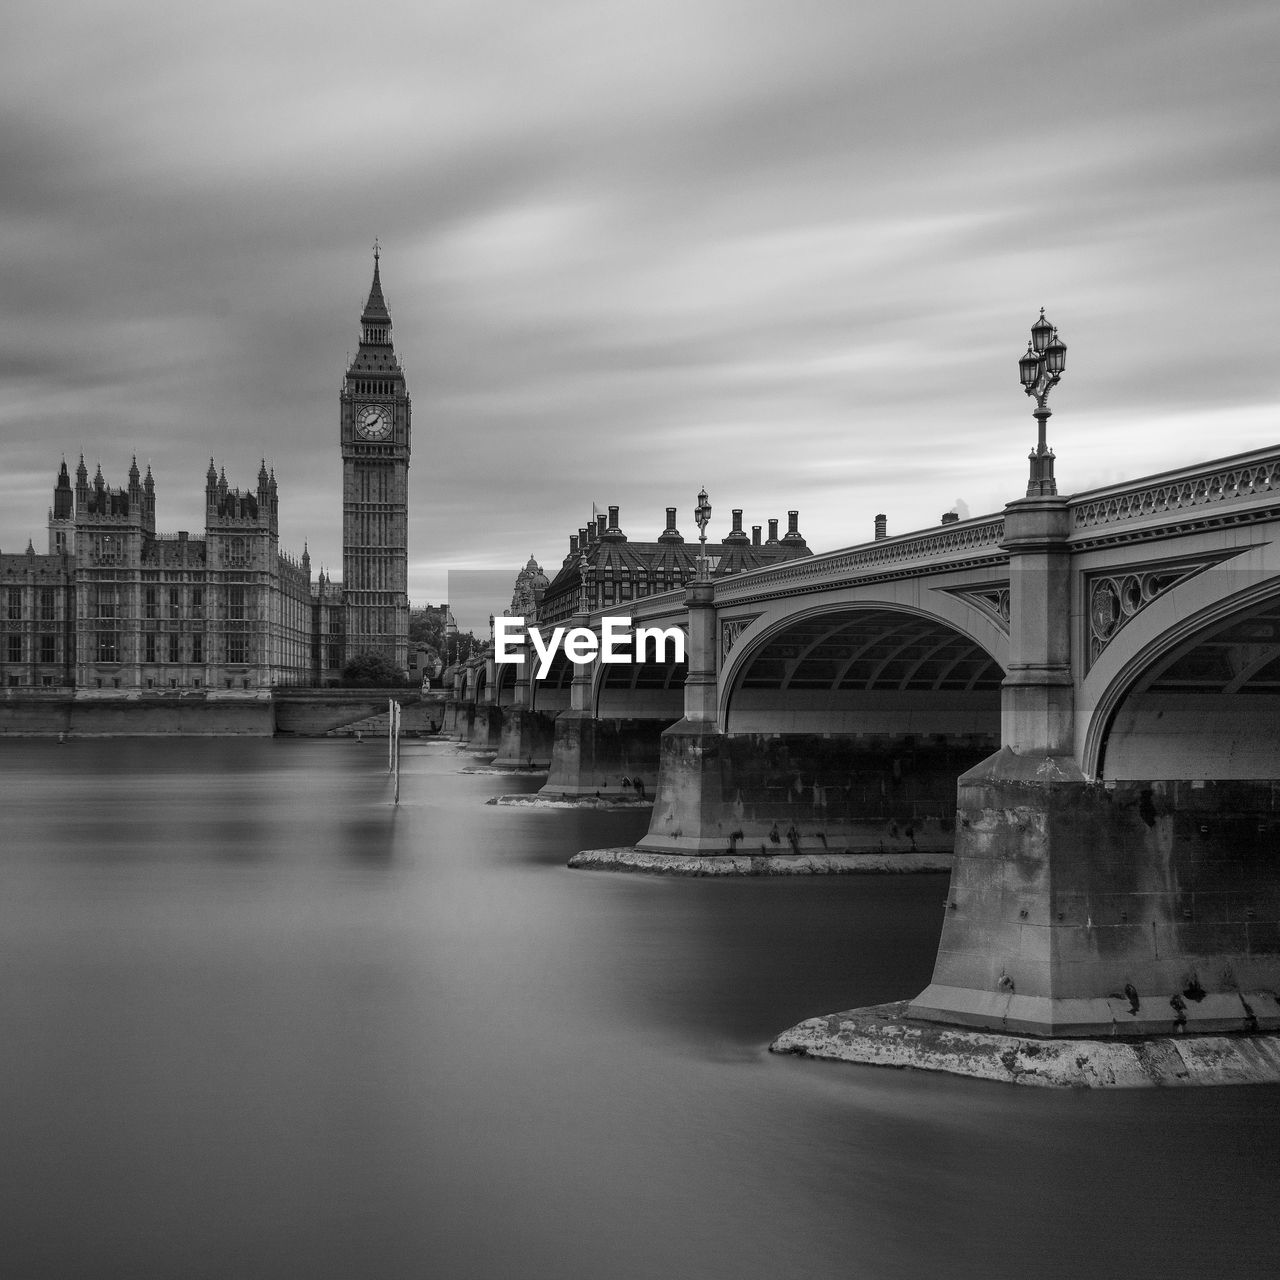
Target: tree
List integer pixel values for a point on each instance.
(429, 626)
(370, 669)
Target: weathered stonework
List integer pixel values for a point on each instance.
(765, 794)
(883, 1036)
(1122, 908)
(526, 739)
(628, 858)
(605, 757)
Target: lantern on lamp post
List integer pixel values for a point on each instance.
(1039, 370)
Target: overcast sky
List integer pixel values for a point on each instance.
(790, 251)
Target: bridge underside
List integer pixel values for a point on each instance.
(875, 671)
(846, 732)
(1210, 709)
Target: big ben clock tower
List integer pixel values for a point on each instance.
(374, 413)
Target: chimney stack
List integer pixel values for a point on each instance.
(670, 533)
(882, 527)
(773, 533)
(613, 519)
(793, 527)
(755, 535)
(736, 535)
(573, 544)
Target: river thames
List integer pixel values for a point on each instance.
(259, 1023)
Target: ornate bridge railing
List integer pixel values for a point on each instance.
(1247, 476)
(953, 542)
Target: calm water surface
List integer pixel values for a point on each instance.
(258, 1023)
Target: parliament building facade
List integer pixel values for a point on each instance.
(113, 606)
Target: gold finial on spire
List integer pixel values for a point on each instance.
(377, 249)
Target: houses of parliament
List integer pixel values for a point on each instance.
(111, 605)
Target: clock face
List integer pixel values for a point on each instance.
(373, 421)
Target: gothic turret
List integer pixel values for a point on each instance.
(62, 496)
(62, 514)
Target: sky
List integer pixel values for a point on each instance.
(790, 252)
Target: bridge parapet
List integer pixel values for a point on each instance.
(1242, 487)
(955, 544)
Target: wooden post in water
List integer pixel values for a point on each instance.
(394, 748)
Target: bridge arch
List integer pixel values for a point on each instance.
(639, 690)
(504, 684)
(1189, 689)
(868, 666)
(552, 694)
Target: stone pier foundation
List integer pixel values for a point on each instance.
(766, 794)
(449, 724)
(609, 757)
(486, 727)
(527, 738)
(1109, 908)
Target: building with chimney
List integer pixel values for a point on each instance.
(604, 569)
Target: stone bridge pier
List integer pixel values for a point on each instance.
(1137, 894)
(525, 735)
(605, 740)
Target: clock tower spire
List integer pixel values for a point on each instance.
(374, 417)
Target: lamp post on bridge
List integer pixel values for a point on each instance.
(1039, 370)
(702, 514)
(584, 584)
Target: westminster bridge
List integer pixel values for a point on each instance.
(1080, 696)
